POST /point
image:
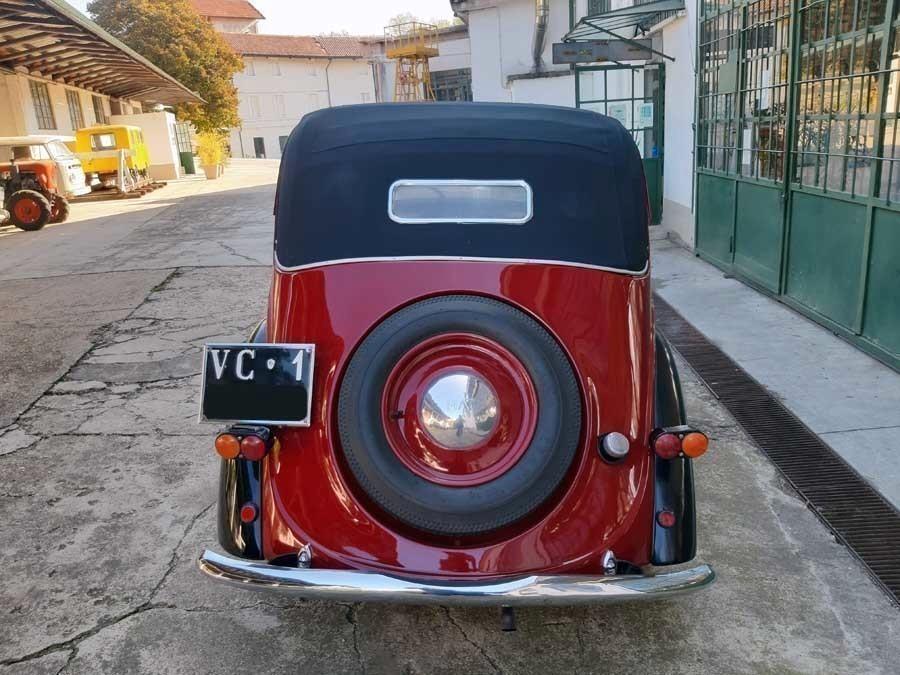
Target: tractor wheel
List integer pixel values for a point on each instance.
(28, 210)
(59, 210)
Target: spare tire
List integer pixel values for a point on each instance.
(502, 461)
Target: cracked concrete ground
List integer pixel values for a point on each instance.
(107, 486)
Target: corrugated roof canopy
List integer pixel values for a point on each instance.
(638, 19)
(49, 38)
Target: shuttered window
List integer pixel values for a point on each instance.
(43, 108)
(99, 110)
(76, 114)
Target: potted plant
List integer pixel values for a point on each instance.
(211, 152)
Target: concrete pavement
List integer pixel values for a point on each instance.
(108, 485)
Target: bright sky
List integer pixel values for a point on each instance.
(358, 17)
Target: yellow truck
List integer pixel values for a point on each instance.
(102, 149)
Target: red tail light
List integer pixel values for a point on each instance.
(677, 441)
(248, 442)
(667, 445)
(253, 448)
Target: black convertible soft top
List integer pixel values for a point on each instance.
(586, 176)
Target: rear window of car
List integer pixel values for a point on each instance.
(460, 201)
(103, 141)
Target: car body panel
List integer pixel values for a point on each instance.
(308, 497)
(56, 172)
(104, 160)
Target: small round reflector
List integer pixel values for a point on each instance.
(694, 444)
(253, 448)
(615, 445)
(228, 446)
(665, 518)
(249, 512)
(667, 446)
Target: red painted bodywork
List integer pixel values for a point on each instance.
(602, 320)
(43, 169)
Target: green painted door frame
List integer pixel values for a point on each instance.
(798, 160)
(635, 95)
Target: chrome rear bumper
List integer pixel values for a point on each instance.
(354, 586)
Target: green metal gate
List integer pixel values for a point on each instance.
(634, 96)
(798, 187)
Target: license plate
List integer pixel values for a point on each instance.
(258, 383)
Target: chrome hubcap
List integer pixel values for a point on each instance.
(459, 410)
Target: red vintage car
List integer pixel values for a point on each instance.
(458, 396)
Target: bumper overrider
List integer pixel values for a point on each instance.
(535, 590)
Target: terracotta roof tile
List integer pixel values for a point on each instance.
(252, 44)
(344, 46)
(227, 9)
(301, 46)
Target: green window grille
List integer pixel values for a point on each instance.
(846, 85)
(76, 114)
(843, 48)
(43, 108)
(718, 42)
(99, 110)
(798, 187)
(598, 6)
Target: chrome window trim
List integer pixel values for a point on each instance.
(529, 196)
(445, 258)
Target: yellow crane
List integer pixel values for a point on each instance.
(411, 44)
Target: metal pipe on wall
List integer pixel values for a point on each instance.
(541, 19)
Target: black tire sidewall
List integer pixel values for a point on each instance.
(63, 205)
(459, 511)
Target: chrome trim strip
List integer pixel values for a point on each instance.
(355, 586)
(460, 258)
(529, 196)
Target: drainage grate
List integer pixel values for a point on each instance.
(860, 517)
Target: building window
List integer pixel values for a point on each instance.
(282, 141)
(103, 142)
(249, 68)
(99, 110)
(452, 85)
(259, 147)
(76, 115)
(253, 102)
(43, 108)
(600, 6)
(279, 106)
(364, 97)
(312, 102)
(276, 68)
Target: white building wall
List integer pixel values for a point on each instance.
(501, 33)
(502, 37)
(679, 41)
(158, 129)
(234, 25)
(547, 91)
(352, 81)
(275, 93)
(454, 54)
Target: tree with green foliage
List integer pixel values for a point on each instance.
(175, 38)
